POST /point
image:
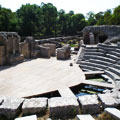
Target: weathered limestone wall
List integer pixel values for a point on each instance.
(16, 59)
(64, 52)
(52, 48)
(100, 33)
(10, 41)
(44, 51)
(31, 44)
(2, 55)
(24, 49)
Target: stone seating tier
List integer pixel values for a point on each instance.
(114, 70)
(112, 75)
(94, 65)
(114, 53)
(89, 67)
(99, 58)
(94, 53)
(109, 49)
(112, 57)
(91, 50)
(100, 62)
(117, 66)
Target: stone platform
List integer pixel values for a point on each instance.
(39, 76)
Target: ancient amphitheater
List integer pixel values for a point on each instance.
(38, 79)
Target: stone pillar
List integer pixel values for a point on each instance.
(14, 46)
(81, 43)
(2, 55)
(91, 36)
(24, 49)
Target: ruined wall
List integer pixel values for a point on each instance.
(44, 51)
(52, 48)
(101, 33)
(10, 50)
(2, 55)
(11, 42)
(24, 49)
(63, 53)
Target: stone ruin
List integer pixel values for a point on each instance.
(9, 48)
(99, 34)
(13, 51)
(100, 57)
(63, 53)
(33, 49)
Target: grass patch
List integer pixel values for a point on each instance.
(97, 79)
(73, 45)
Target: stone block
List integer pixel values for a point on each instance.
(52, 48)
(35, 53)
(32, 117)
(115, 113)
(24, 49)
(89, 104)
(44, 51)
(49, 119)
(31, 42)
(16, 59)
(85, 117)
(2, 55)
(63, 53)
(108, 100)
(34, 106)
(11, 41)
(63, 108)
(10, 107)
(118, 43)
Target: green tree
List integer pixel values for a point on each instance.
(116, 16)
(79, 22)
(108, 17)
(91, 18)
(63, 22)
(30, 19)
(8, 20)
(49, 15)
(99, 18)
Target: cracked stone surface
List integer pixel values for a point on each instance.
(89, 104)
(63, 108)
(34, 106)
(10, 107)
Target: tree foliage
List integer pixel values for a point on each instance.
(8, 20)
(45, 20)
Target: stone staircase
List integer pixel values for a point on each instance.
(102, 57)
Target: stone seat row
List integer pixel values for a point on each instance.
(112, 72)
(106, 60)
(102, 58)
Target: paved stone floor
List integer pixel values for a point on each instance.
(39, 76)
